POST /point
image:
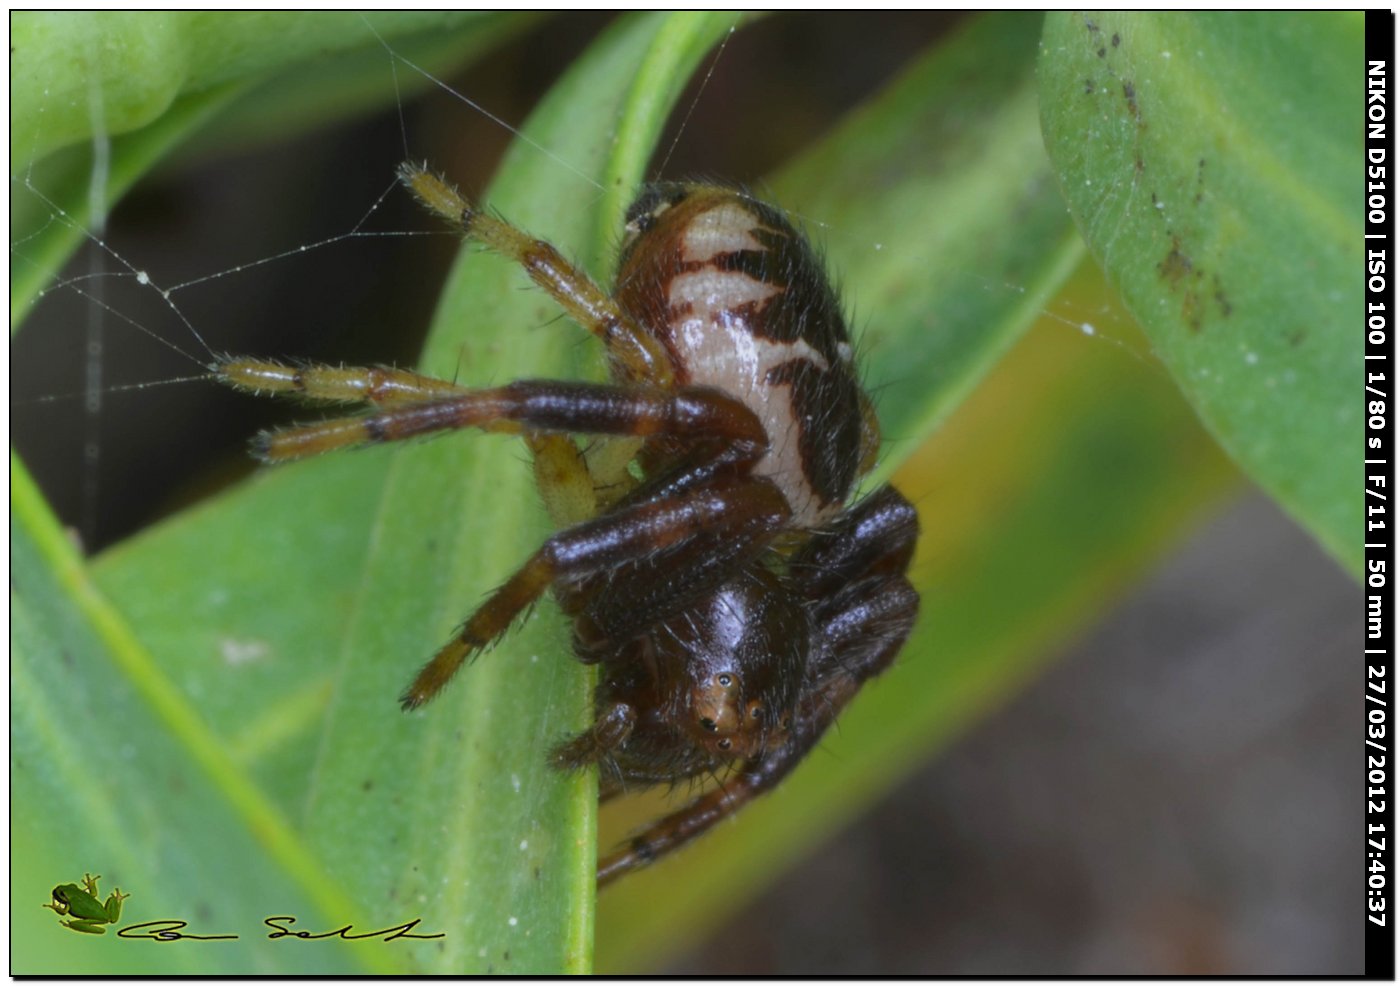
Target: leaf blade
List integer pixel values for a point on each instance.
(96, 716)
(1208, 160)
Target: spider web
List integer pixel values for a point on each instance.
(307, 249)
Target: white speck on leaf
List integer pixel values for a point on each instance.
(239, 652)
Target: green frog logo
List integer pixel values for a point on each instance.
(80, 902)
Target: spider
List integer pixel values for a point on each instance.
(709, 561)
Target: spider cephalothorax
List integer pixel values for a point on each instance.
(732, 599)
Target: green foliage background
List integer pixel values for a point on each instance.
(1048, 472)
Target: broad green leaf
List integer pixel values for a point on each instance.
(76, 74)
(1211, 161)
(114, 771)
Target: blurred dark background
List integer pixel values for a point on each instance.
(1180, 794)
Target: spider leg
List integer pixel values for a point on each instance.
(381, 385)
(570, 482)
(563, 477)
(863, 626)
(640, 355)
(610, 730)
(877, 534)
(743, 510)
(609, 462)
(537, 405)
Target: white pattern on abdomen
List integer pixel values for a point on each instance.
(717, 346)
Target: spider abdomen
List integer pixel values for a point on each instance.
(741, 302)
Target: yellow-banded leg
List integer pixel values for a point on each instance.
(574, 484)
(563, 478)
(696, 413)
(381, 385)
(634, 351)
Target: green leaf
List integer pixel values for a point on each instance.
(114, 770)
(1210, 160)
(78, 74)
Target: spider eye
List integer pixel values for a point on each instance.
(756, 711)
(709, 725)
(725, 680)
(724, 744)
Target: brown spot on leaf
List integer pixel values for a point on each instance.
(1093, 28)
(1296, 337)
(1130, 94)
(1191, 310)
(1089, 86)
(1102, 52)
(1221, 298)
(1175, 265)
(1180, 272)
(1115, 39)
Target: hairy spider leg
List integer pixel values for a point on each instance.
(574, 485)
(525, 405)
(635, 353)
(877, 534)
(862, 630)
(744, 509)
(379, 385)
